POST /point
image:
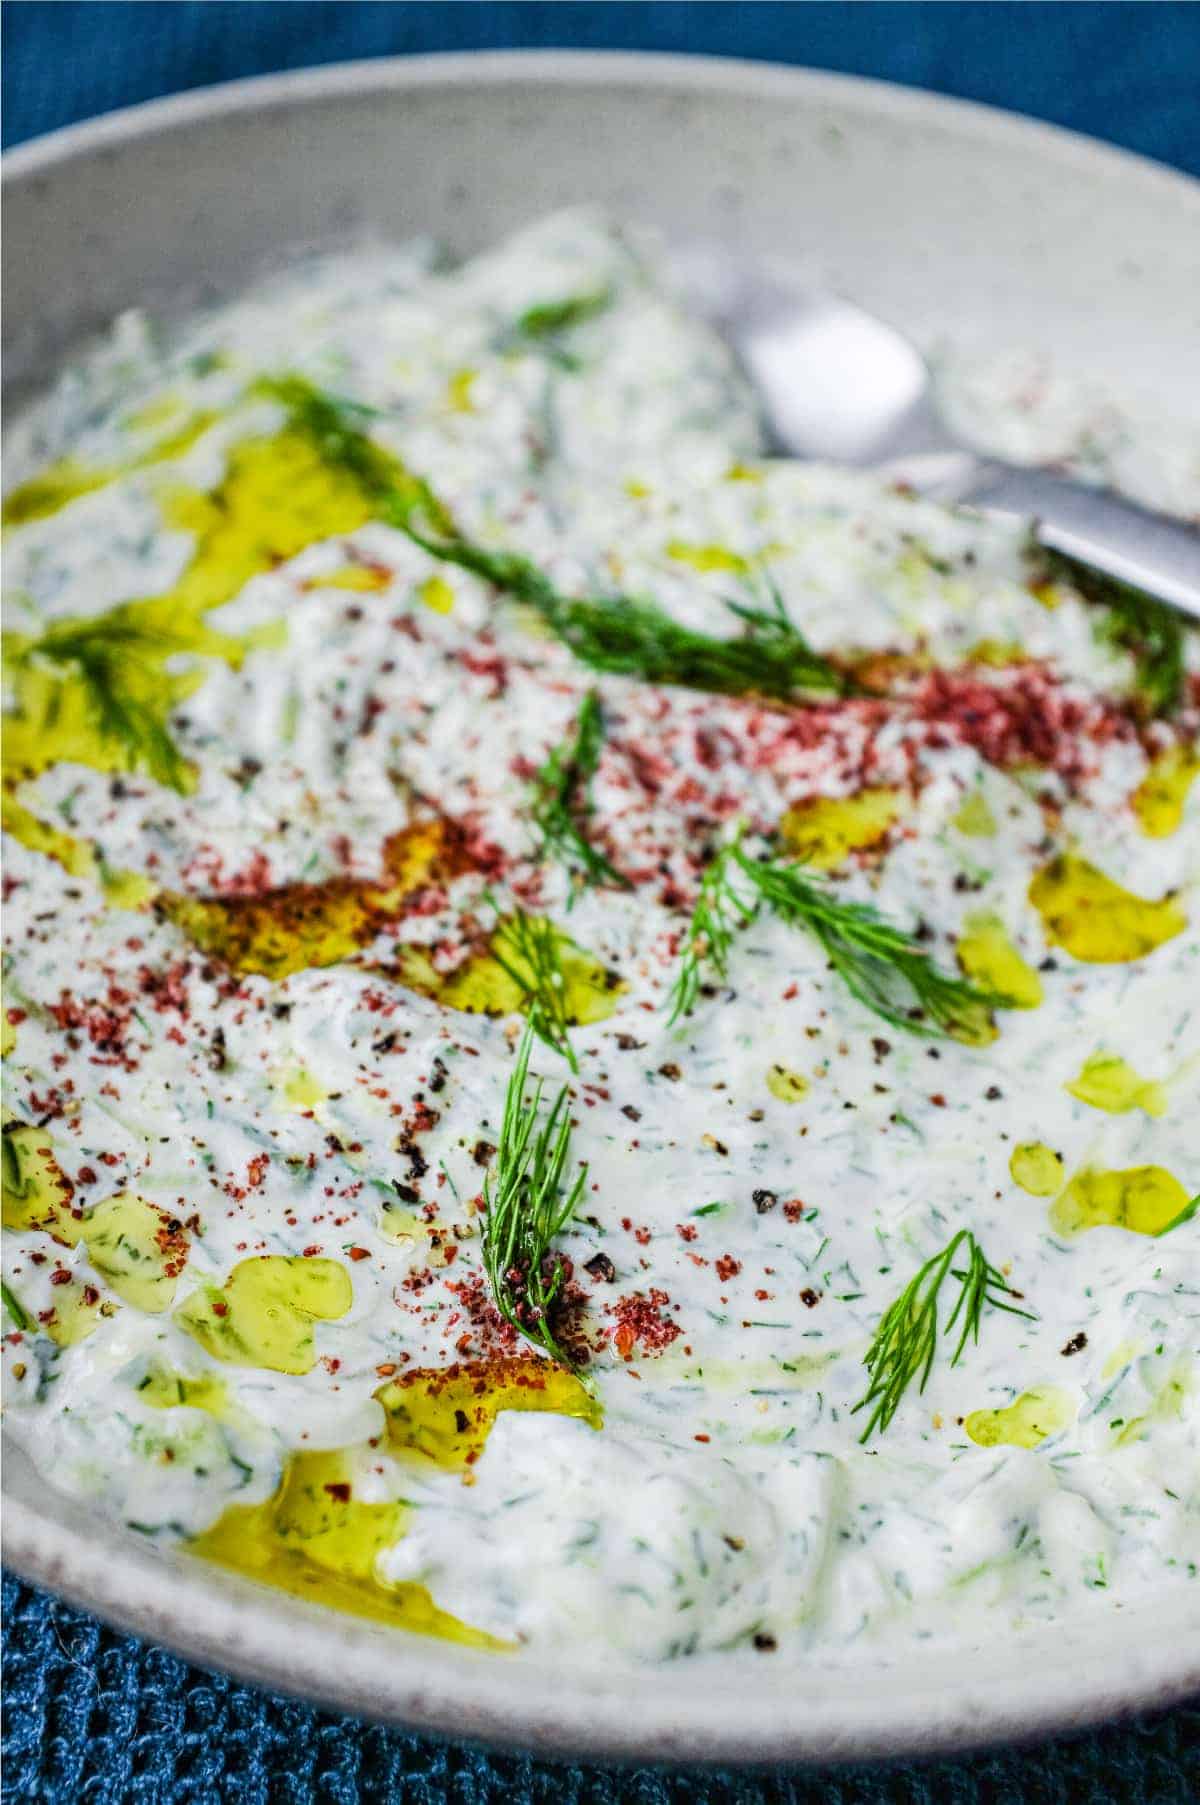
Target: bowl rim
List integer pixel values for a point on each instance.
(633, 68)
(665, 1716)
(620, 1714)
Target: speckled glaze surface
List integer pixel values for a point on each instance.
(948, 219)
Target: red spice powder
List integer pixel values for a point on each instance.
(1023, 716)
(642, 1322)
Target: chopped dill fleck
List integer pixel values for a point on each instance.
(552, 317)
(1185, 1215)
(547, 326)
(15, 1308)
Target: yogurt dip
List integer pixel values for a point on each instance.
(395, 654)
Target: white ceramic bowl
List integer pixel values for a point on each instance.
(945, 217)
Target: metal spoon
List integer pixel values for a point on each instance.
(836, 382)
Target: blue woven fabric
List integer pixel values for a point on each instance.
(94, 1717)
(1129, 73)
(98, 1718)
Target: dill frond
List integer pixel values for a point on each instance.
(562, 800)
(622, 634)
(719, 911)
(773, 623)
(118, 663)
(528, 948)
(879, 963)
(1149, 630)
(527, 1204)
(336, 428)
(634, 638)
(905, 1343)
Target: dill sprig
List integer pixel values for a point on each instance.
(879, 963)
(774, 621)
(634, 638)
(905, 1343)
(562, 799)
(119, 661)
(336, 429)
(1150, 631)
(621, 634)
(719, 911)
(529, 949)
(527, 1204)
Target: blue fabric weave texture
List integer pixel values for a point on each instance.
(98, 1718)
(94, 1718)
(1126, 72)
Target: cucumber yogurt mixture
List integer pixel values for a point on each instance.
(601, 1034)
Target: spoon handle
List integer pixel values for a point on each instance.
(1094, 527)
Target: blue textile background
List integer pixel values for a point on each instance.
(1130, 73)
(90, 1715)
